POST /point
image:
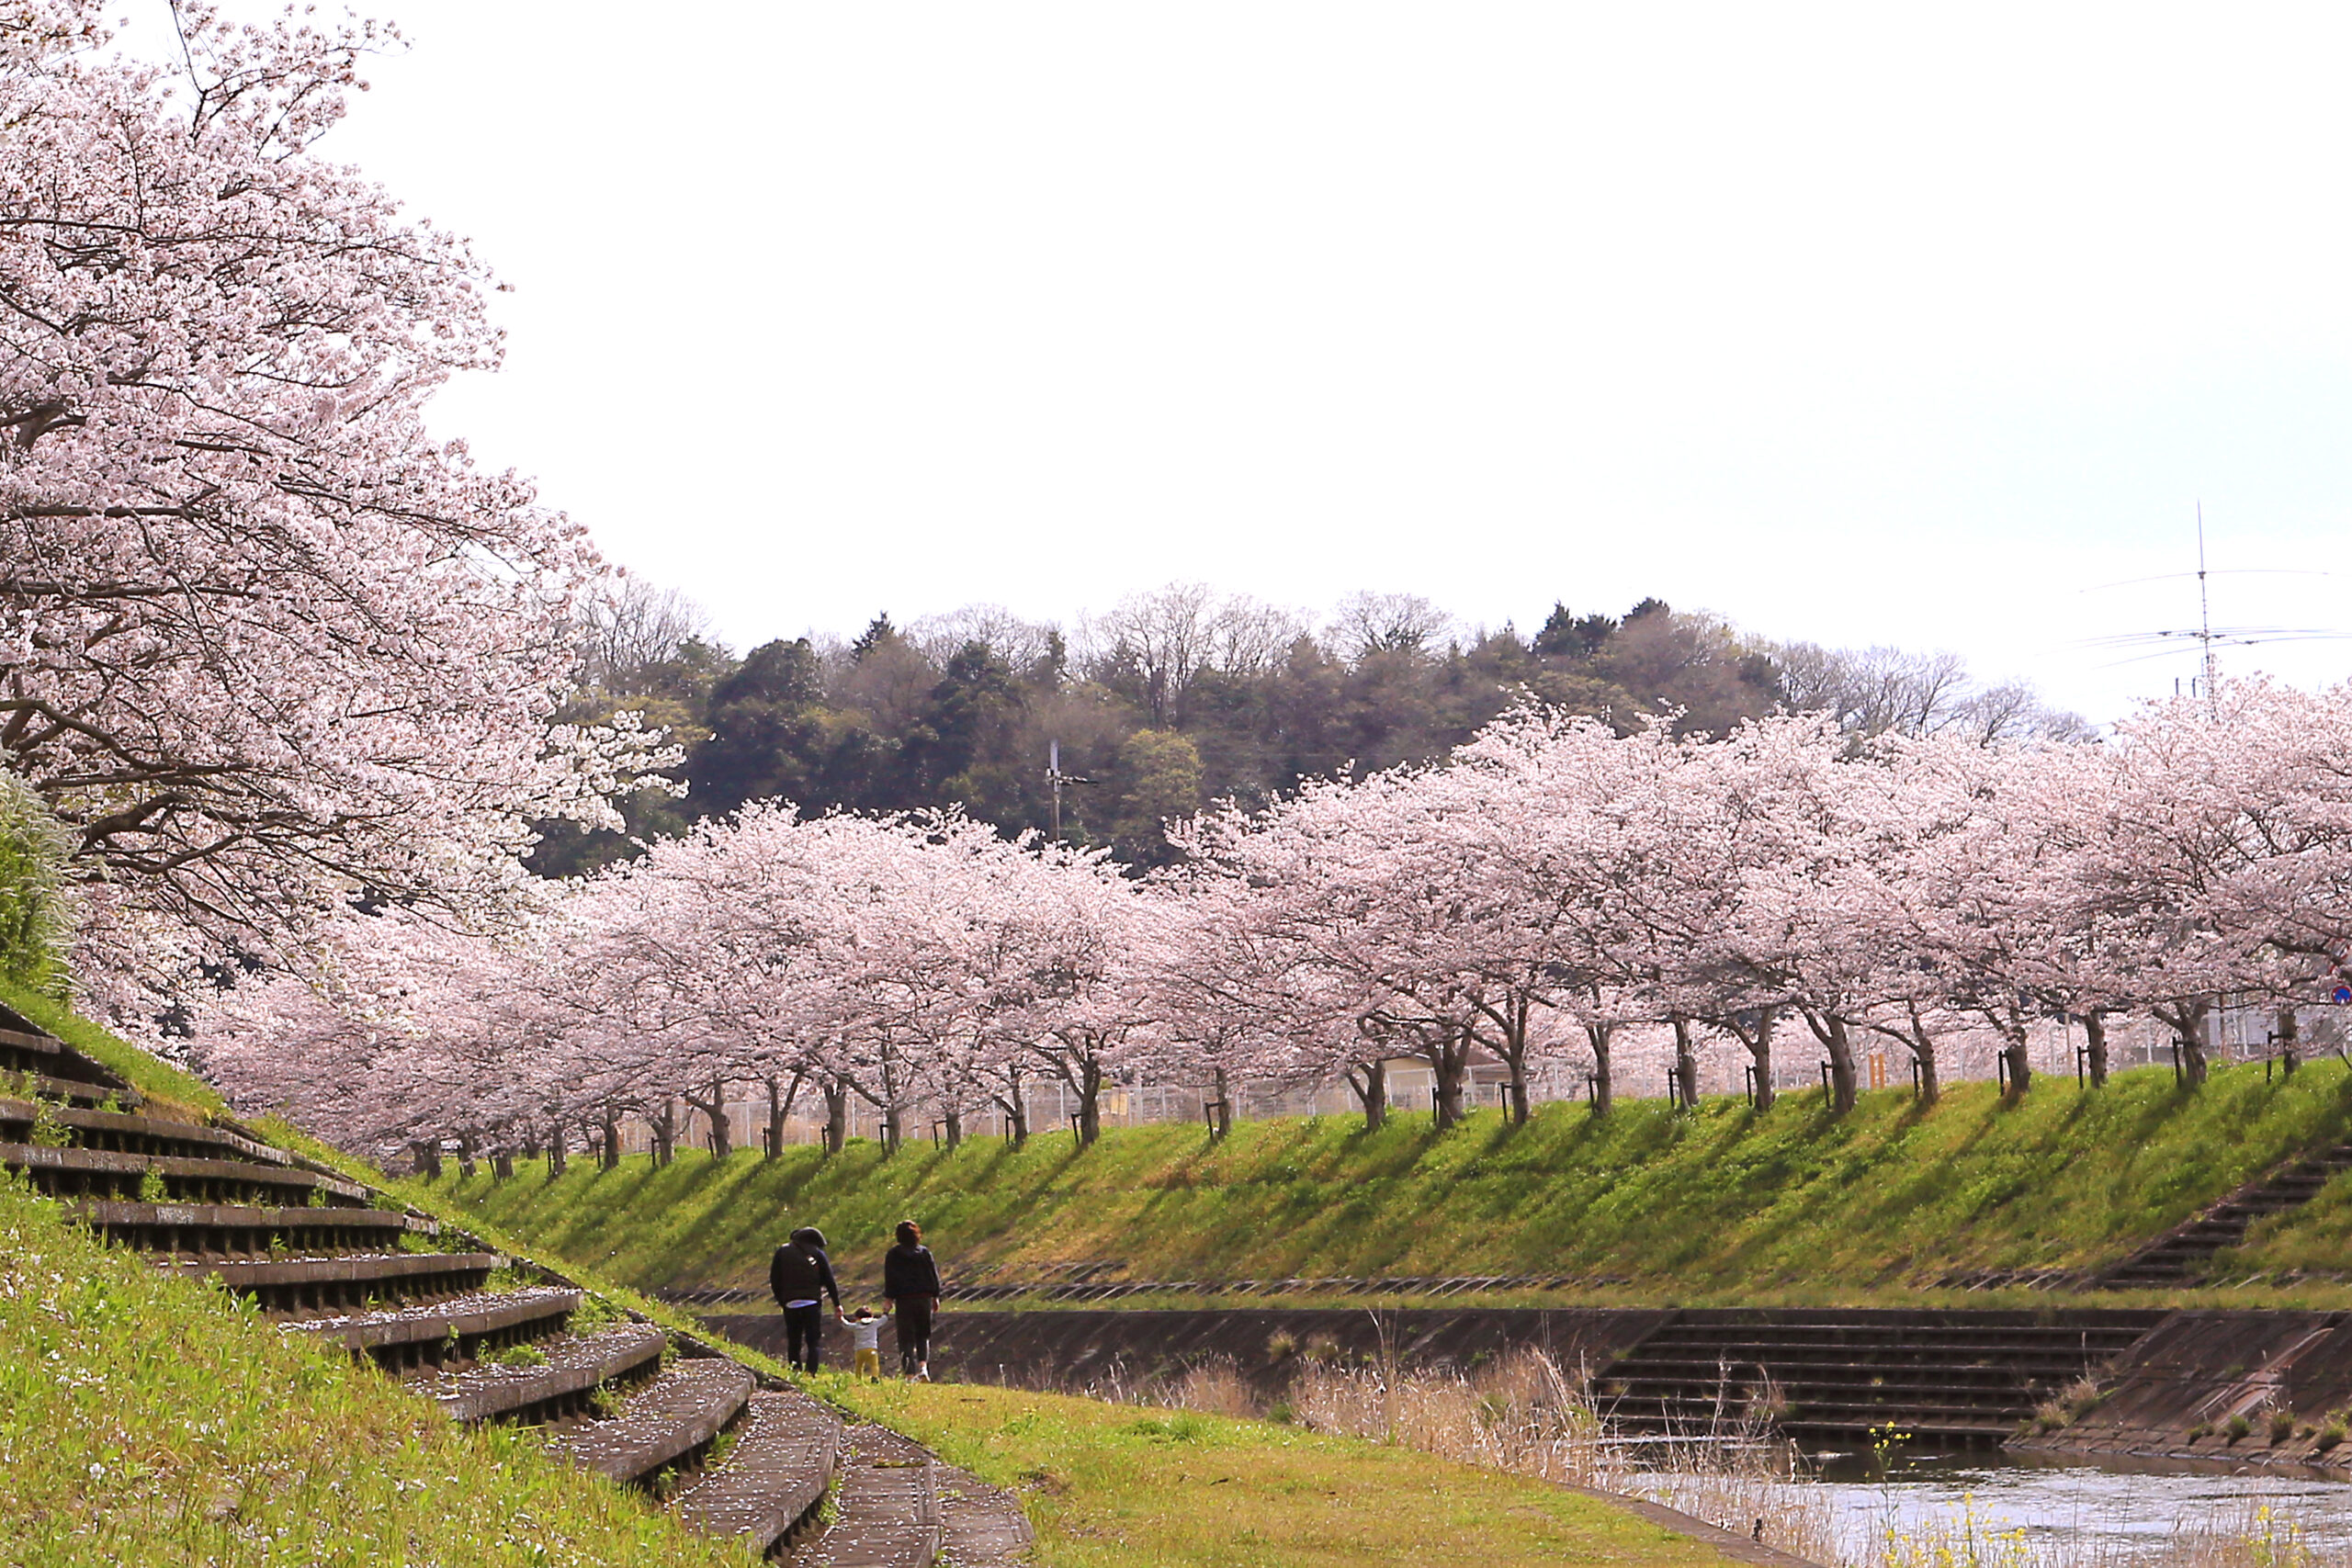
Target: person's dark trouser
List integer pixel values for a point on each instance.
(803, 1325)
(914, 1332)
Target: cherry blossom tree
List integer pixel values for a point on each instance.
(264, 642)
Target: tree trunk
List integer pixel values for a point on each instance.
(609, 1156)
(2285, 1036)
(465, 1154)
(559, 1135)
(722, 1140)
(893, 1125)
(2095, 1044)
(1686, 1066)
(1757, 1038)
(954, 1123)
(779, 1107)
(1603, 1081)
(1838, 1043)
(2013, 1046)
(1224, 1105)
(2189, 1020)
(1015, 1106)
(427, 1153)
(1510, 1045)
(1371, 1093)
(1088, 1084)
(1922, 1046)
(1449, 1058)
(836, 1116)
(1515, 1056)
(502, 1164)
(665, 1132)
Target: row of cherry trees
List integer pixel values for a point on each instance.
(1552, 885)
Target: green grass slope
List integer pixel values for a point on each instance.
(1721, 1205)
(145, 1419)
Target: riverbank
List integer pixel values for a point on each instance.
(2244, 1391)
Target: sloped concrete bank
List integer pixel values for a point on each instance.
(2259, 1390)
(2244, 1389)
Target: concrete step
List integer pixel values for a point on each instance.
(1641, 1385)
(1922, 1343)
(1960, 1353)
(223, 1230)
(890, 1512)
(2174, 1257)
(1851, 1420)
(439, 1332)
(25, 1049)
(774, 1476)
(360, 1281)
(22, 1085)
(980, 1526)
(565, 1384)
(105, 1173)
(1930, 1347)
(1738, 1396)
(665, 1424)
(128, 1133)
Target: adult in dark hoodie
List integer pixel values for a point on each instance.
(911, 1281)
(802, 1276)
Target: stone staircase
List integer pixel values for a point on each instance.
(1839, 1375)
(486, 1338)
(2178, 1255)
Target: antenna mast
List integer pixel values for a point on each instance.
(1056, 778)
(2205, 619)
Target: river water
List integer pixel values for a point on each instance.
(2069, 1513)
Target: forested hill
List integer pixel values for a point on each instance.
(1179, 696)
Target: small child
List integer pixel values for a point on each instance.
(865, 1339)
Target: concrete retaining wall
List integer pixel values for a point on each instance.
(1075, 1350)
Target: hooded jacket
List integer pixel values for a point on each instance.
(801, 1272)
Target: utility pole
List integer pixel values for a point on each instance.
(1056, 778)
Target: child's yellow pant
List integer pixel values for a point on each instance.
(869, 1363)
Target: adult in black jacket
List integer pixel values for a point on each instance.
(802, 1276)
(911, 1281)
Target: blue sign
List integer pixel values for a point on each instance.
(2344, 996)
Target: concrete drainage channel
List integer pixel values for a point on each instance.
(323, 1258)
(2244, 1389)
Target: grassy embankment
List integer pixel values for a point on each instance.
(1723, 1205)
(149, 1419)
(153, 1420)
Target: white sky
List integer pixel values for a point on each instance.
(1882, 324)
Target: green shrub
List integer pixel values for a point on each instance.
(36, 910)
